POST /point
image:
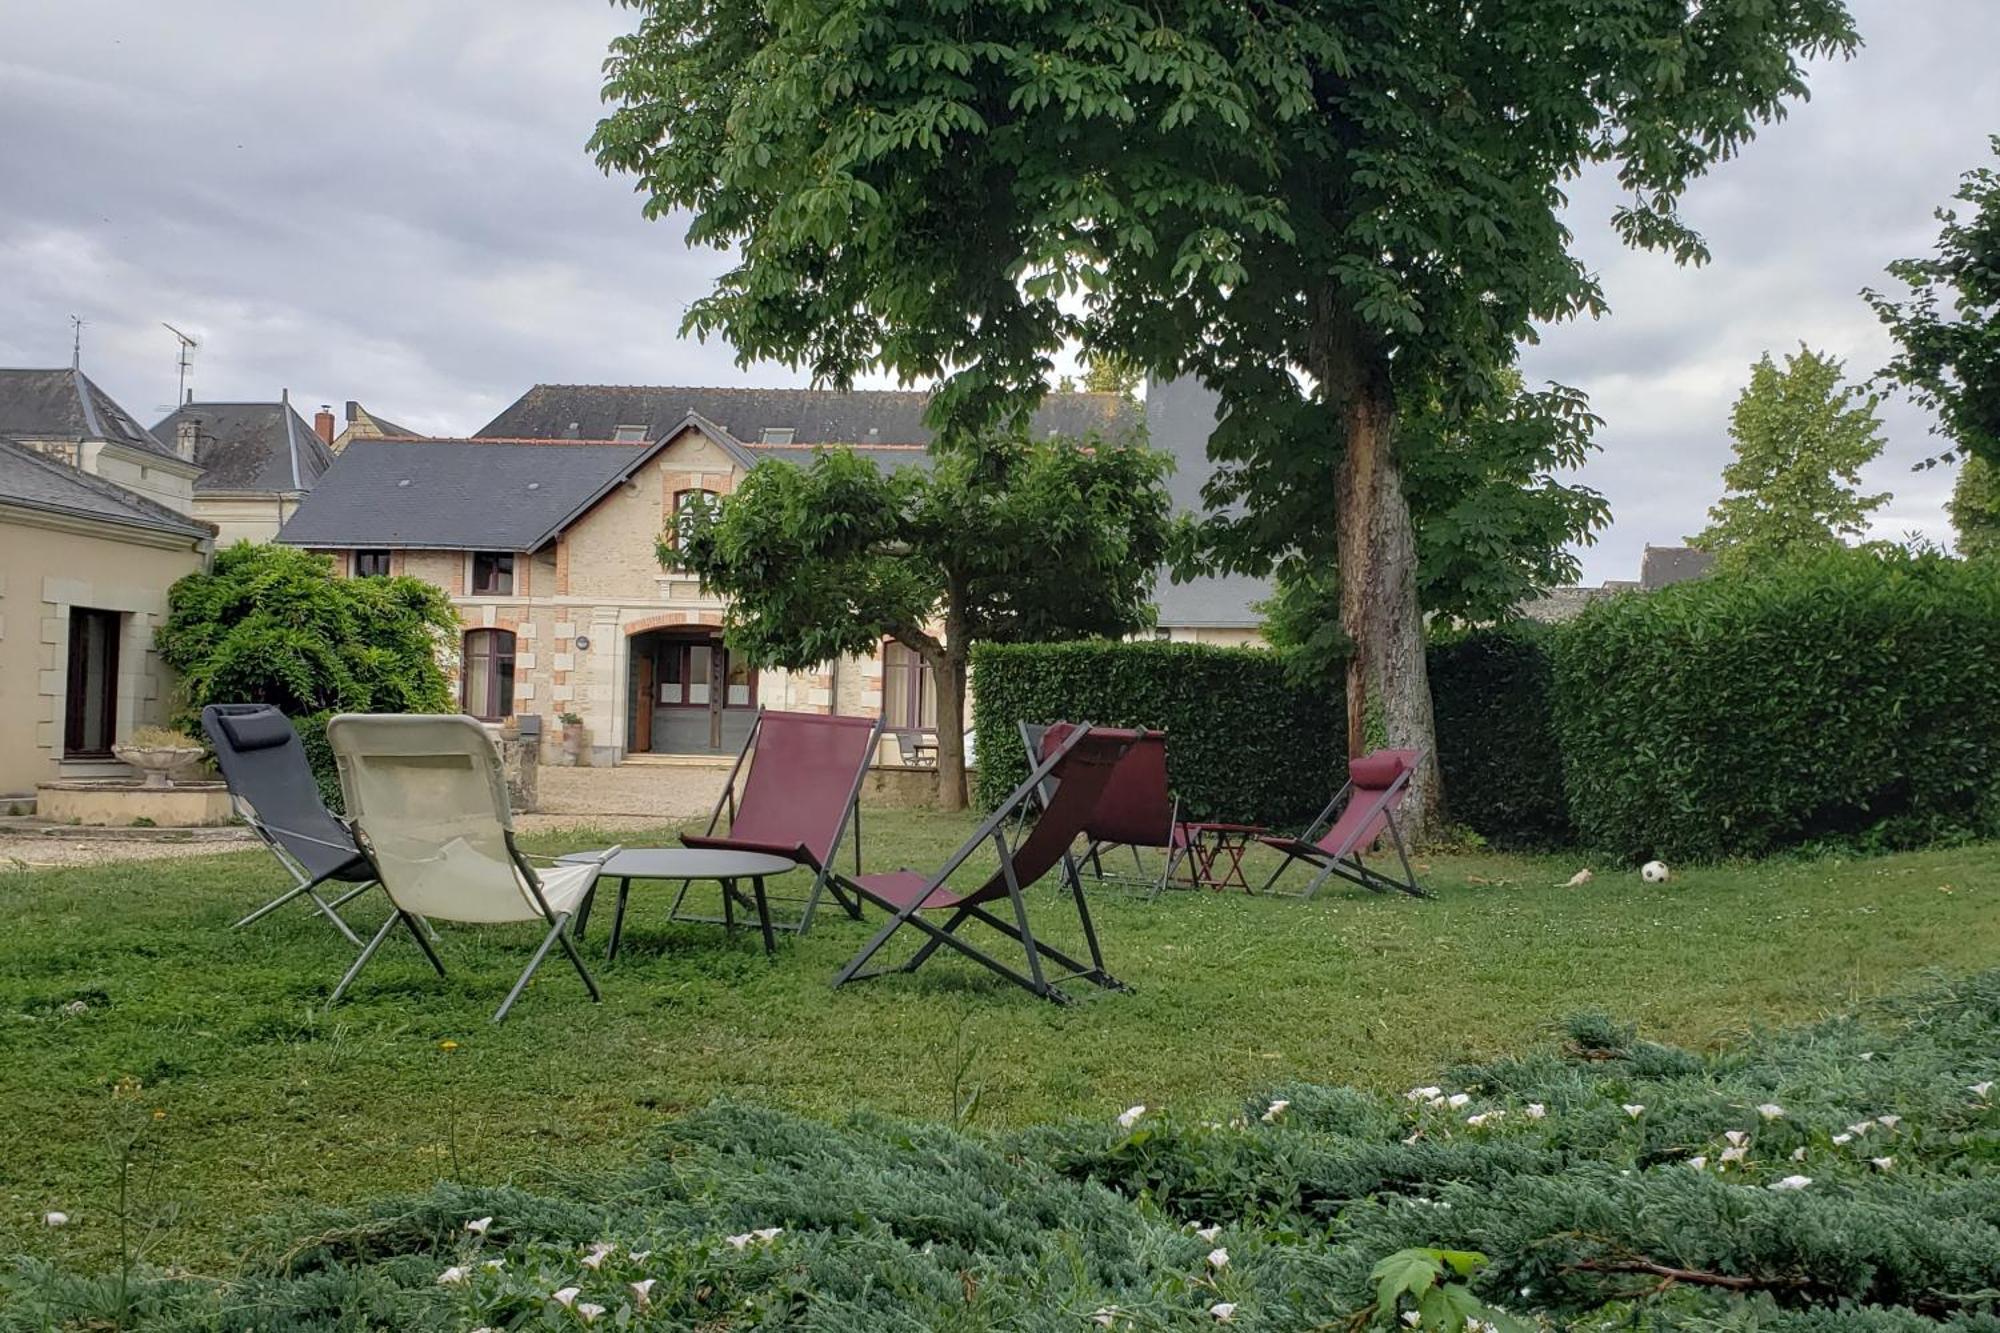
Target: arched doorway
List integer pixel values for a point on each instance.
(690, 694)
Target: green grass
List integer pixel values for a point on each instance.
(266, 1099)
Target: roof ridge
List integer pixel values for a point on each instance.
(104, 486)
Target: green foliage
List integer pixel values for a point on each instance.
(272, 624)
(1247, 745)
(1801, 442)
(1845, 698)
(1496, 730)
(1975, 508)
(1577, 1185)
(1948, 331)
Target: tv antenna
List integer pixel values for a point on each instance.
(76, 342)
(186, 363)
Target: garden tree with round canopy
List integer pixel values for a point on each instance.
(1324, 209)
(1014, 541)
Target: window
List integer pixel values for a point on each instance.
(628, 434)
(488, 684)
(493, 573)
(687, 505)
(90, 705)
(683, 673)
(371, 564)
(778, 434)
(909, 695)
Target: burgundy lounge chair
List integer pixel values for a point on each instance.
(802, 787)
(1081, 764)
(1376, 784)
(1137, 808)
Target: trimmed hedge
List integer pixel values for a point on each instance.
(1494, 692)
(1247, 744)
(1851, 699)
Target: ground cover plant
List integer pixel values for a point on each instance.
(123, 993)
(1839, 1176)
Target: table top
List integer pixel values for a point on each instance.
(687, 863)
(1211, 827)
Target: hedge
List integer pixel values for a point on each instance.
(1850, 699)
(1497, 750)
(1247, 744)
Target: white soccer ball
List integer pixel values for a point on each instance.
(1654, 872)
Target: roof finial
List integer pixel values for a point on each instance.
(76, 342)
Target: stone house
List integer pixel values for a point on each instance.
(257, 462)
(66, 416)
(542, 529)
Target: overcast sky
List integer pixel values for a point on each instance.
(390, 201)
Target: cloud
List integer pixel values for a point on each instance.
(391, 201)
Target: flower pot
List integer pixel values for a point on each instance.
(576, 745)
(157, 762)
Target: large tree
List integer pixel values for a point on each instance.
(1975, 508)
(1947, 331)
(1326, 209)
(1802, 436)
(1016, 540)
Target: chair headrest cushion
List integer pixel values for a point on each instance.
(256, 731)
(1376, 771)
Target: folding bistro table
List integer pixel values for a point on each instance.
(1215, 853)
(727, 868)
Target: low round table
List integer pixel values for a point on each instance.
(727, 868)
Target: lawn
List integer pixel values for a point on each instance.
(250, 1097)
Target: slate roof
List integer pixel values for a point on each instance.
(1663, 566)
(467, 495)
(66, 404)
(266, 447)
(814, 416)
(29, 479)
(1180, 416)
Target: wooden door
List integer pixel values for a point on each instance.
(642, 699)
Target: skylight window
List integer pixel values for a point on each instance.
(778, 434)
(628, 434)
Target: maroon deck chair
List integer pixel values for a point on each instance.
(1082, 765)
(802, 788)
(1376, 784)
(1137, 809)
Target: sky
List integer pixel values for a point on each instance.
(390, 201)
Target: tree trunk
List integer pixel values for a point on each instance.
(949, 675)
(1378, 580)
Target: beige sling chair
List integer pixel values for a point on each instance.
(428, 803)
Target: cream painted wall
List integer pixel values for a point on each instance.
(44, 571)
(158, 480)
(246, 518)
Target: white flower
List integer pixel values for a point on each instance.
(640, 1256)
(1411, 1318)
(1793, 1183)
(1209, 1233)
(1734, 1154)
(1799, 1153)
(1881, 1163)
(642, 1292)
(1218, 1258)
(1698, 1163)
(1130, 1116)
(478, 1225)
(1842, 1139)
(453, 1276)
(1105, 1317)
(1536, 1110)
(1771, 1111)
(1634, 1109)
(494, 1265)
(566, 1297)
(1888, 1121)
(75, 1008)
(1868, 1055)
(768, 1233)
(55, 1219)
(1736, 1138)
(588, 1312)
(1479, 1121)
(1981, 1088)
(1860, 1127)
(1457, 1099)
(598, 1254)
(1224, 1311)
(1275, 1110)
(738, 1242)
(1423, 1094)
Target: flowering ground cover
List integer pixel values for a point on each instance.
(148, 1053)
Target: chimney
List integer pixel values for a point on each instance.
(353, 411)
(323, 423)
(186, 432)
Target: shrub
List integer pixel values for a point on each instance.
(275, 625)
(1497, 748)
(1247, 745)
(1585, 1172)
(1853, 697)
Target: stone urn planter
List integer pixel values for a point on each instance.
(157, 762)
(575, 741)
